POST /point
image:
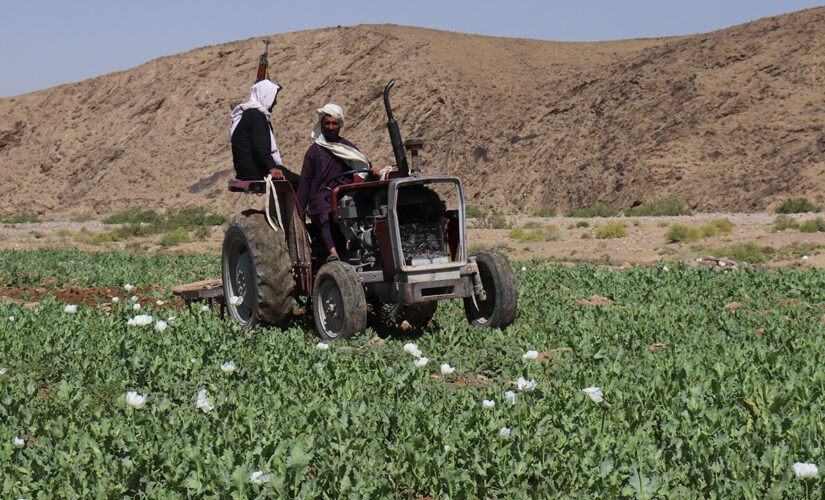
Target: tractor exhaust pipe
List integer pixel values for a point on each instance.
(395, 135)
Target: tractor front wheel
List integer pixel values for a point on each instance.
(338, 302)
(255, 266)
(498, 309)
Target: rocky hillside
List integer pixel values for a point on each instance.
(729, 120)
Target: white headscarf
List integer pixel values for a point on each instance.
(354, 158)
(261, 97)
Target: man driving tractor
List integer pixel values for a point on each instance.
(325, 161)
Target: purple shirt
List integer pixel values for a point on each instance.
(317, 178)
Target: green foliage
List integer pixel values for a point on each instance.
(597, 210)
(722, 227)
(481, 247)
(82, 218)
(742, 252)
(474, 211)
(531, 225)
(784, 222)
(658, 207)
(582, 223)
(611, 230)
(19, 218)
(490, 219)
(812, 226)
(134, 215)
(534, 234)
(545, 212)
(174, 237)
(683, 234)
(722, 411)
(797, 206)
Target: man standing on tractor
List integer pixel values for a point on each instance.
(254, 151)
(325, 161)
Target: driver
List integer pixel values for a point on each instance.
(326, 159)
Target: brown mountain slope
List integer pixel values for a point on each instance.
(730, 120)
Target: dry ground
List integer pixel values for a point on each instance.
(644, 244)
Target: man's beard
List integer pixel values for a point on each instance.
(330, 136)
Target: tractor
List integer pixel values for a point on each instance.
(406, 249)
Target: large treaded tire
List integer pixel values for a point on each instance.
(499, 309)
(255, 265)
(338, 302)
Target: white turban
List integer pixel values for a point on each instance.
(354, 158)
(261, 97)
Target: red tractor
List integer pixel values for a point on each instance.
(406, 249)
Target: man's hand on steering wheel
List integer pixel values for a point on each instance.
(277, 174)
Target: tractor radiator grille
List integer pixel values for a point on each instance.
(422, 240)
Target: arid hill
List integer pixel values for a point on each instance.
(730, 120)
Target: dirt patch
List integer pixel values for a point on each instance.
(596, 300)
(89, 296)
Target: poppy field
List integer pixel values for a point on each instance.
(653, 382)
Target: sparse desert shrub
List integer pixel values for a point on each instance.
(784, 222)
(797, 206)
(683, 234)
(582, 223)
(133, 215)
(545, 212)
(722, 227)
(742, 252)
(19, 218)
(474, 211)
(707, 230)
(501, 247)
(174, 237)
(81, 218)
(491, 220)
(531, 225)
(659, 206)
(534, 234)
(611, 230)
(597, 210)
(812, 226)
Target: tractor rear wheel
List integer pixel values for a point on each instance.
(498, 309)
(256, 267)
(338, 302)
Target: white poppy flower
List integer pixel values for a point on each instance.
(530, 355)
(203, 402)
(805, 470)
(235, 300)
(447, 448)
(160, 325)
(2, 371)
(134, 298)
(594, 393)
(321, 346)
(511, 397)
(141, 320)
(159, 302)
(135, 400)
(128, 287)
(131, 322)
(171, 320)
(258, 477)
(319, 367)
(524, 385)
(417, 353)
(664, 268)
(804, 257)
(698, 259)
(136, 306)
(504, 433)
(204, 308)
(193, 360)
(115, 299)
(446, 369)
(70, 308)
(488, 404)
(523, 268)
(228, 367)
(721, 264)
(19, 442)
(11, 318)
(420, 362)
(410, 348)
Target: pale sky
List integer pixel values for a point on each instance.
(44, 43)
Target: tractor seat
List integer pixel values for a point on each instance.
(239, 186)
